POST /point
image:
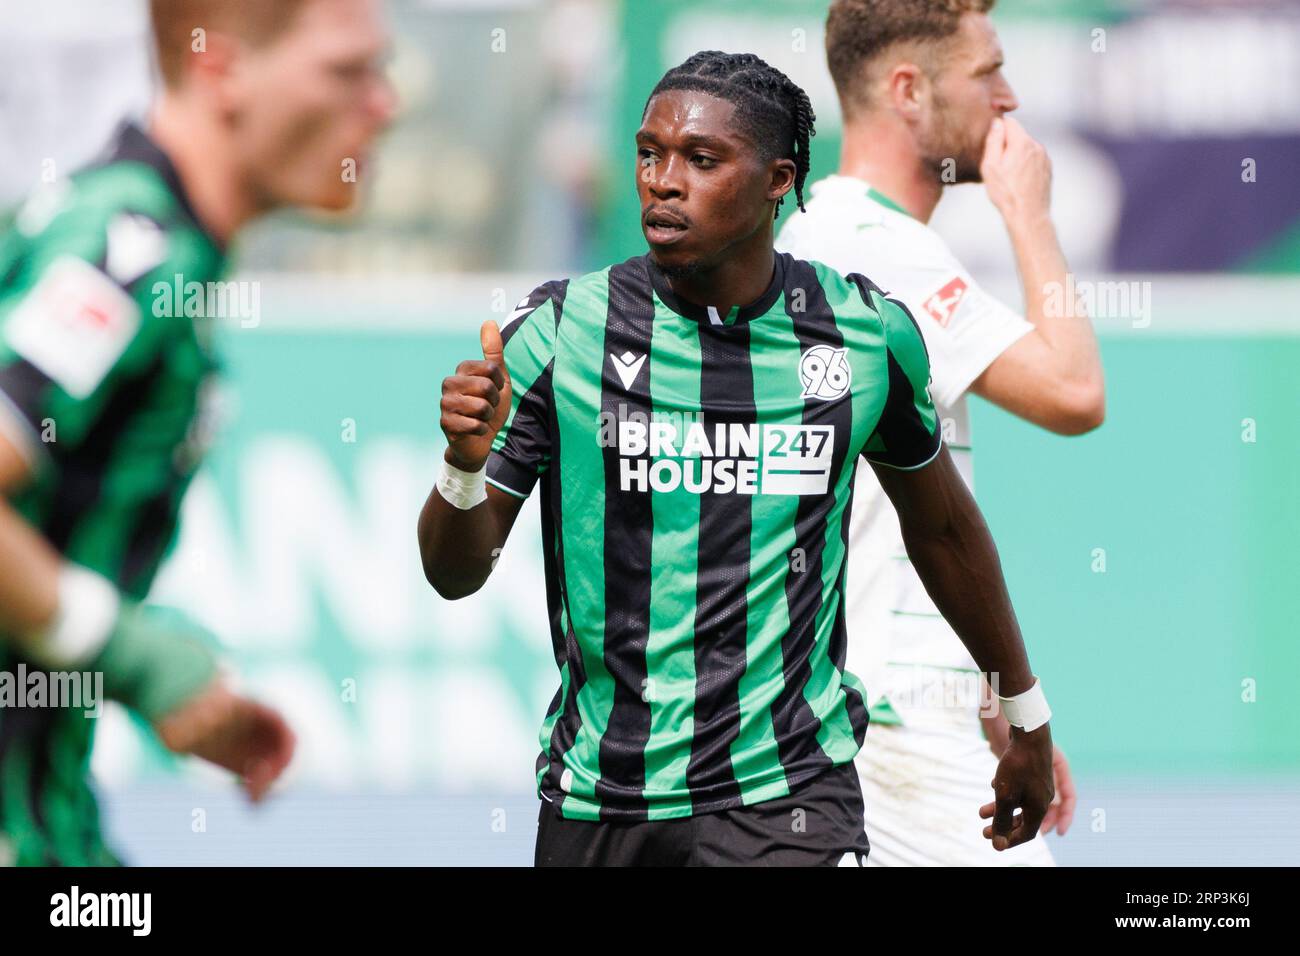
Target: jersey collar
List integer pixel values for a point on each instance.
(885, 201)
(872, 193)
(708, 315)
(132, 144)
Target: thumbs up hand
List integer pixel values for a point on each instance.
(476, 402)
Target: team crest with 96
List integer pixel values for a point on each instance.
(825, 372)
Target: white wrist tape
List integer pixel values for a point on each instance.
(1027, 710)
(463, 489)
(83, 623)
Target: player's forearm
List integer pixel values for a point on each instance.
(1049, 301)
(458, 546)
(29, 577)
(49, 616)
(958, 563)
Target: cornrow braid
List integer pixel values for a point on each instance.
(773, 109)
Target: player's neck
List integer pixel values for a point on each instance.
(738, 280)
(205, 164)
(878, 153)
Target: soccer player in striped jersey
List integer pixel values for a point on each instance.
(103, 383)
(920, 84)
(692, 418)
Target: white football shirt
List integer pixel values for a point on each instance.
(851, 227)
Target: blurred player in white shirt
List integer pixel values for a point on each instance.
(924, 98)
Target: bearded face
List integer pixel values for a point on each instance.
(952, 141)
(964, 91)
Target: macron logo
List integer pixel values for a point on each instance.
(135, 245)
(627, 367)
(522, 309)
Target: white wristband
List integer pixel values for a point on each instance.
(1027, 710)
(463, 489)
(83, 623)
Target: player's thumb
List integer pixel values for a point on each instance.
(489, 337)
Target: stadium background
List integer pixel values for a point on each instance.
(1152, 563)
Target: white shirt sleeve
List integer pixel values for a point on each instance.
(964, 327)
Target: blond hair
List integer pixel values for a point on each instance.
(176, 26)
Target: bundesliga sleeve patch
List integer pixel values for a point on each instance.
(74, 325)
(942, 304)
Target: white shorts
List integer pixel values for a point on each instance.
(923, 782)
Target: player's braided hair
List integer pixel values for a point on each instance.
(773, 110)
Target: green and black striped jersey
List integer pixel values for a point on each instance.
(696, 472)
(102, 385)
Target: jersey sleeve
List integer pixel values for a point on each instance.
(965, 328)
(521, 450)
(75, 325)
(907, 434)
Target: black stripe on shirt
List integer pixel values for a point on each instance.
(794, 724)
(722, 574)
(629, 533)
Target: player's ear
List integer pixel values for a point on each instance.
(214, 67)
(906, 89)
(781, 173)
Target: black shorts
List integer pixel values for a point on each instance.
(818, 824)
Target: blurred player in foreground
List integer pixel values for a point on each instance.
(922, 92)
(694, 416)
(103, 382)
